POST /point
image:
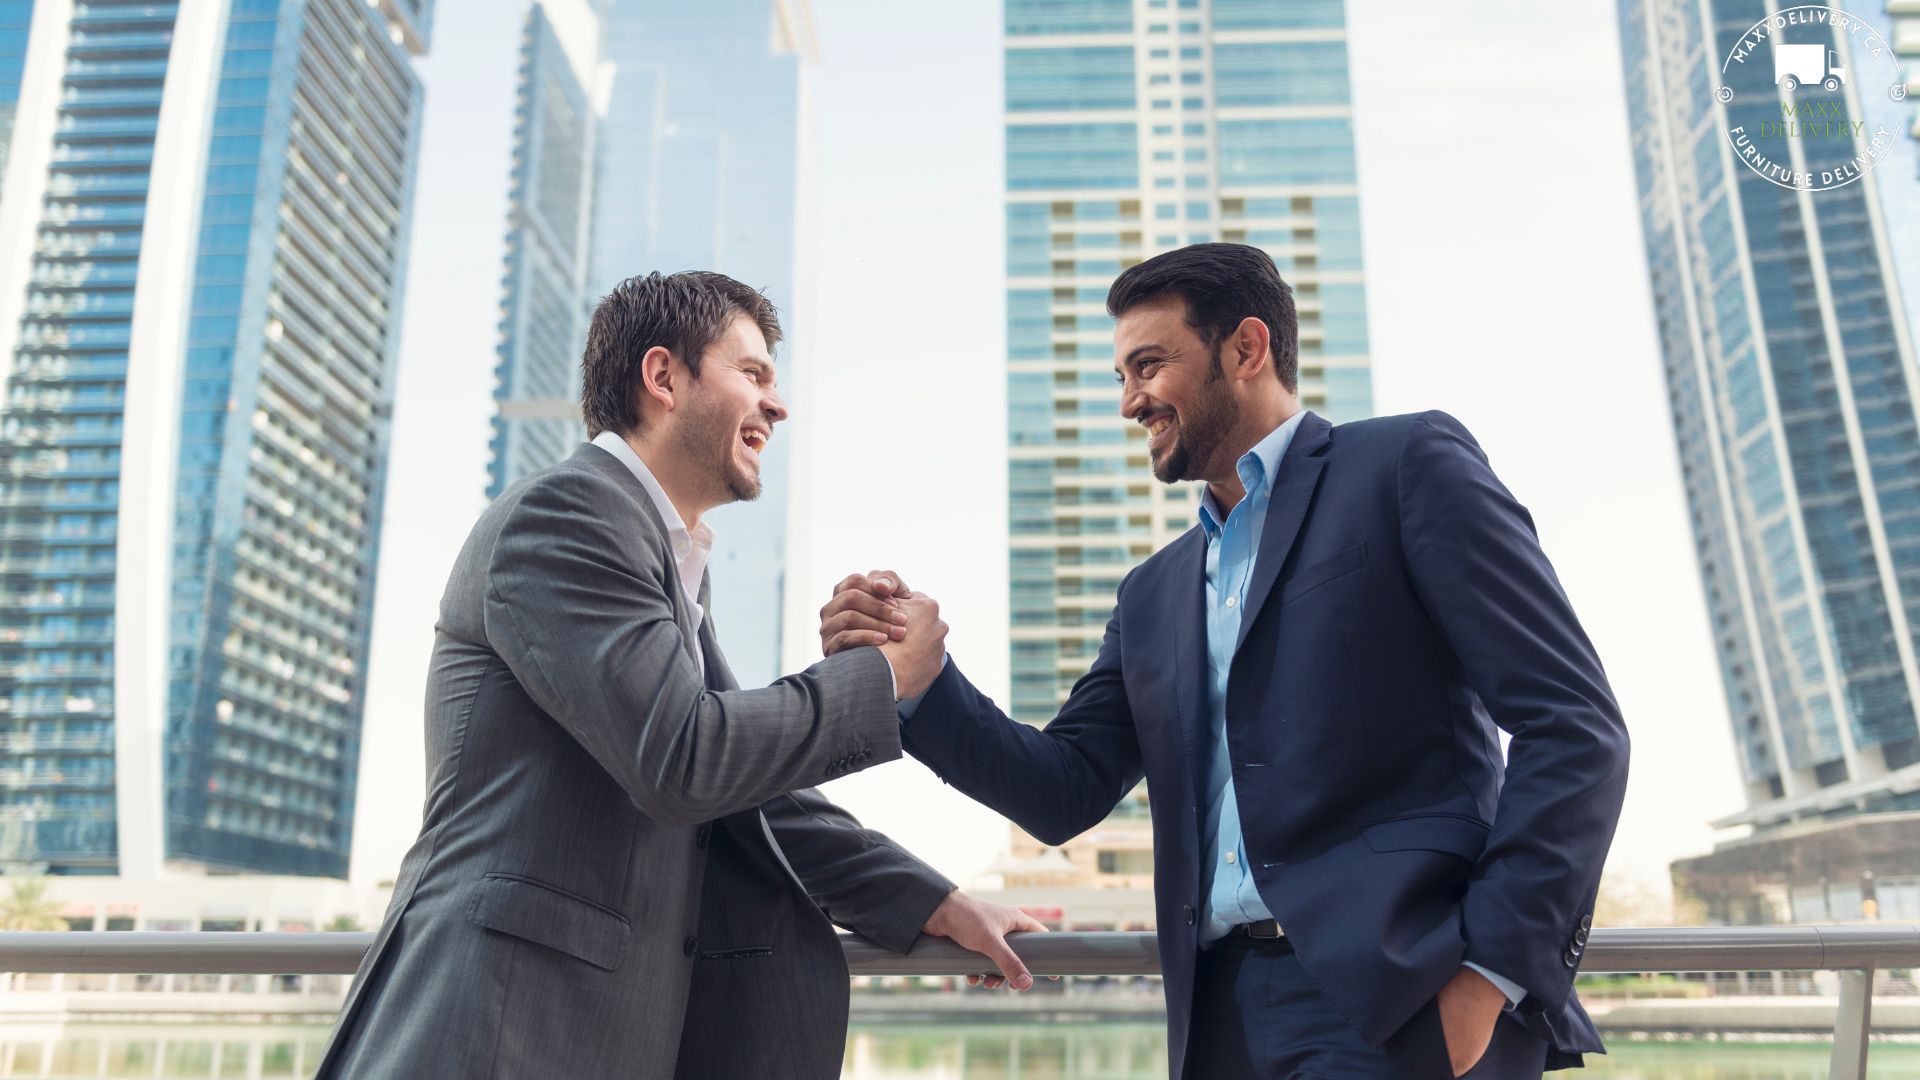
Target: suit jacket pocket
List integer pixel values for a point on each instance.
(534, 911)
(1429, 832)
(1339, 564)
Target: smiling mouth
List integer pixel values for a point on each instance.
(1159, 430)
(755, 440)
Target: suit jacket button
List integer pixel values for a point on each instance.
(689, 945)
(1580, 936)
(1586, 922)
(1572, 959)
(1187, 913)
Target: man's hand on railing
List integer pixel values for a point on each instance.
(983, 927)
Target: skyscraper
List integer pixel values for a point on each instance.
(689, 116)
(1134, 128)
(203, 234)
(549, 214)
(1789, 353)
(15, 18)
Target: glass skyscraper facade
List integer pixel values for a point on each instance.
(1787, 321)
(202, 250)
(1134, 127)
(550, 210)
(684, 120)
(16, 18)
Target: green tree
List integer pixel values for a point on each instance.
(28, 907)
(343, 924)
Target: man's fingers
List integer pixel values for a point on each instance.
(851, 639)
(888, 583)
(1009, 964)
(852, 581)
(866, 604)
(1026, 923)
(852, 620)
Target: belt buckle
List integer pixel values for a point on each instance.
(1265, 930)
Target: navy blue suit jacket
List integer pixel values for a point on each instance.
(1401, 608)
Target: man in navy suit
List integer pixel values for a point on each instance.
(1350, 882)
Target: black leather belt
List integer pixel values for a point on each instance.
(1264, 930)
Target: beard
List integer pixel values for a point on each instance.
(1197, 430)
(711, 437)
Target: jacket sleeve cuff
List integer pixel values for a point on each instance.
(910, 705)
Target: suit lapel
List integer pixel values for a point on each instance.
(1293, 488)
(1189, 609)
(613, 468)
(719, 675)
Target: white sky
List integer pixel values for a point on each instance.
(1506, 286)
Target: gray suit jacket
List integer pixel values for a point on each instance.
(621, 872)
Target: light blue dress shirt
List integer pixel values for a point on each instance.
(1229, 896)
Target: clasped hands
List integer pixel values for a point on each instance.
(877, 608)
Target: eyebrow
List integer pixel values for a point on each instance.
(764, 369)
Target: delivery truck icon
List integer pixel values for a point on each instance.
(1794, 65)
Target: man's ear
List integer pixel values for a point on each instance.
(1251, 348)
(656, 378)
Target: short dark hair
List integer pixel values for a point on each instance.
(1222, 284)
(684, 313)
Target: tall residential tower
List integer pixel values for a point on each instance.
(1134, 127)
(203, 234)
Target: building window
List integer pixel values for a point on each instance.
(1898, 898)
(1809, 904)
(1125, 862)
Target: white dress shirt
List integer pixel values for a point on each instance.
(691, 547)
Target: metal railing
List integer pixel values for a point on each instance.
(1856, 952)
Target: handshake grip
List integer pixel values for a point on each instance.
(877, 608)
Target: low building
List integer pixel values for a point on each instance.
(1855, 869)
(241, 902)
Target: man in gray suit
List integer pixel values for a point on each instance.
(622, 871)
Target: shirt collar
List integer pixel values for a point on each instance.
(686, 542)
(1256, 468)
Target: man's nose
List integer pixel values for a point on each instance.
(774, 409)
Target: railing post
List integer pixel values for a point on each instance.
(1851, 1025)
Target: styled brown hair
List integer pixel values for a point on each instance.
(682, 313)
(1222, 284)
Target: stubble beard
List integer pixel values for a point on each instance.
(716, 437)
(1199, 429)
